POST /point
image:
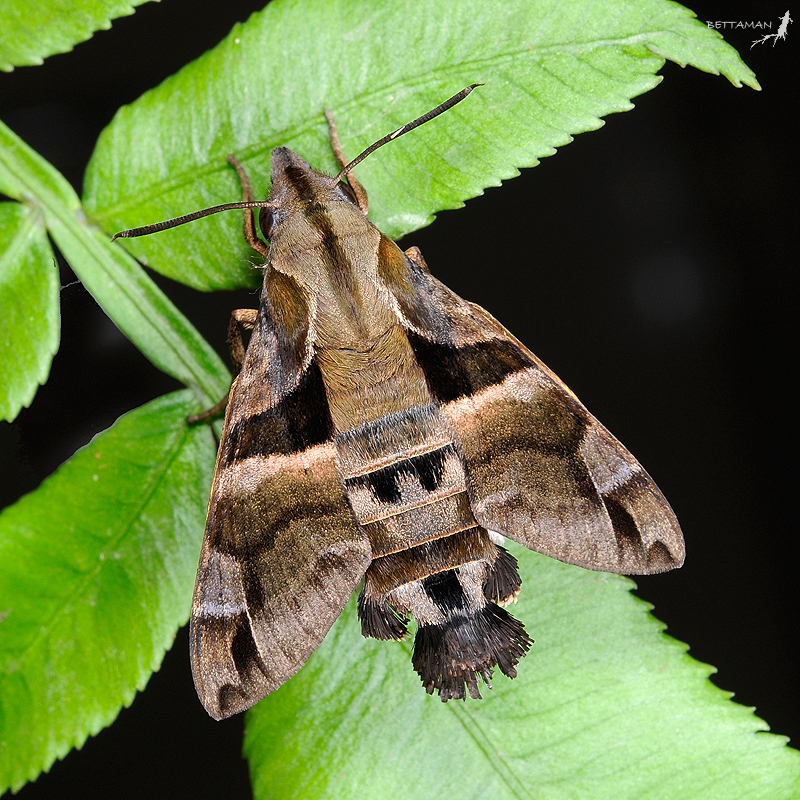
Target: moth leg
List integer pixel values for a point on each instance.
(358, 190)
(240, 318)
(249, 218)
(210, 413)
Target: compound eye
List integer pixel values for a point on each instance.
(347, 191)
(266, 221)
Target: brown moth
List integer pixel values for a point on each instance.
(379, 428)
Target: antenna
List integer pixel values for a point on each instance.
(173, 223)
(409, 126)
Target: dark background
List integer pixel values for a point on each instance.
(648, 264)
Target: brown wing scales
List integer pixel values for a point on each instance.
(540, 468)
(282, 551)
(280, 559)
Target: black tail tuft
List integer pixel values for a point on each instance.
(450, 656)
(502, 579)
(379, 620)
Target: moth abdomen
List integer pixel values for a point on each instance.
(450, 586)
(470, 641)
(449, 657)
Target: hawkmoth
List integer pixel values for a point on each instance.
(383, 430)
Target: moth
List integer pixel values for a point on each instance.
(382, 431)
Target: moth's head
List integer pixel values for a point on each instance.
(297, 186)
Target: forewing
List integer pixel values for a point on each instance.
(282, 552)
(540, 469)
(545, 473)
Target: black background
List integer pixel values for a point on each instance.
(648, 264)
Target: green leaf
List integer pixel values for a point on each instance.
(34, 30)
(96, 574)
(603, 707)
(29, 289)
(135, 304)
(550, 71)
(603, 703)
